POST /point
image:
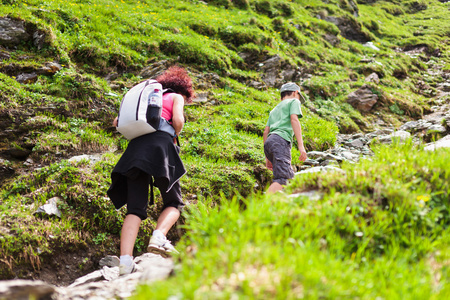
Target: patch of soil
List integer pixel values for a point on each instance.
(63, 268)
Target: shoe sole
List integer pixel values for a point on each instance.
(160, 251)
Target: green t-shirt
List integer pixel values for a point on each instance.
(280, 118)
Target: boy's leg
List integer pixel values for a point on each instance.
(278, 151)
(274, 187)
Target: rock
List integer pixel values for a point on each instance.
(26, 78)
(201, 98)
(19, 153)
(350, 29)
(19, 289)
(110, 273)
(312, 195)
(4, 55)
(91, 277)
(311, 162)
(49, 68)
(90, 158)
(399, 136)
(384, 131)
(12, 32)
(371, 45)
(445, 87)
(289, 73)
(320, 169)
(358, 143)
(373, 78)
(447, 119)
(256, 85)
(349, 155)
(414, 126)
(316, 154)
(442, 143)
(39, 39)
(109, 261)
(330, 156)
(100, 284)
(436, 129)
(271, 68)
(331, 38)
(367, 60)
(363, 99)
(6, 170)
(155, 69)
(328, 162)
(107, 284)
(50, 208)
(154, 266)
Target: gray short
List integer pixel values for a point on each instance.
(278, 152)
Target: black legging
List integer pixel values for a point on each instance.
(137, 194)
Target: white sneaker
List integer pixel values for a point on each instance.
(161, 246)
(127, 269)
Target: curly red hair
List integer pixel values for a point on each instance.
(177, 79)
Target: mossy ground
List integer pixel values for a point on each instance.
(102, 47)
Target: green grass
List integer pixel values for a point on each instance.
(102, 47)
(380, 230)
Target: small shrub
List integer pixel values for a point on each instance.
(254, 127)
(224, 3)
(318, 134)
(242, 4)
(265, 7)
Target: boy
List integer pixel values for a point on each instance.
(282, 125)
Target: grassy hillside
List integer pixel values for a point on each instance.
(104, 47)
(378, 231)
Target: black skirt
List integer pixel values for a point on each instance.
(154, 154)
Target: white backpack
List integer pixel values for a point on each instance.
(140, 111)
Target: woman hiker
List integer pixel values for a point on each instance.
(152, 157)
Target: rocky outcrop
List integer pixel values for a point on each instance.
(349, 28)
(373, 78)
(14, 32)
(29, 74)
(363, 99)
(104, 283)
(274, 70)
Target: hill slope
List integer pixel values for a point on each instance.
(65, 65)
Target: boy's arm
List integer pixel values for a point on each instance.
(295, 123)
(266, 133)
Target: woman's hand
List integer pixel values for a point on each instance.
(115, 122)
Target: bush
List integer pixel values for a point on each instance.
(318, 134)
